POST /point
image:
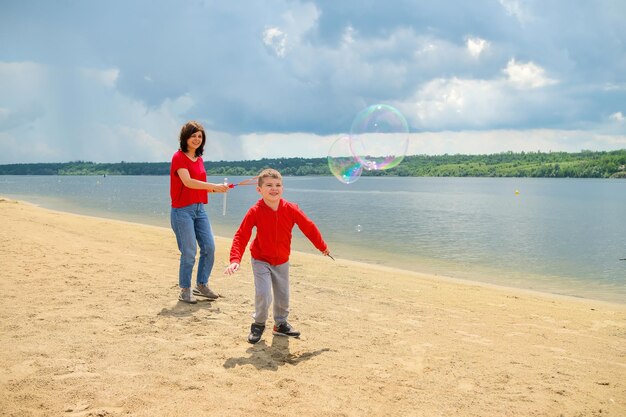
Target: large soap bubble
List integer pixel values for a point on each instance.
(342, 163)
(379, 137)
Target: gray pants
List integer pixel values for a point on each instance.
(270, 279)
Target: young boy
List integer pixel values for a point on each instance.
(274, 219)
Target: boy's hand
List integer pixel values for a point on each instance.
(327, 253)
(231, 269)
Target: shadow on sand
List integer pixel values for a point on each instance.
(181, 309)
(272, 357)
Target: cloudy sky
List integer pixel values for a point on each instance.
(110, 81)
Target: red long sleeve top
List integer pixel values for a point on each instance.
(272, 243)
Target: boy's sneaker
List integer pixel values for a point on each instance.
(186, 296)
(256, 330)
(285, 329)
(204, 291)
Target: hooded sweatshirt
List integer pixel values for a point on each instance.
(272, 243)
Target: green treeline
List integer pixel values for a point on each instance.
(585, 164)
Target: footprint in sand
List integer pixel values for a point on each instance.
(474, 338)
(598, 325)
(77, 375)
(466, 384)
(553, 349)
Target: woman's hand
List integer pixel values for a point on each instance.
(189, 182)
(219, 188)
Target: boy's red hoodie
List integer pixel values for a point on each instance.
(272, 243)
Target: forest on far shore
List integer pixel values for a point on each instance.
(584, 164)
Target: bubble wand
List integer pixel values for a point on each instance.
(249, 181)
(225, 197)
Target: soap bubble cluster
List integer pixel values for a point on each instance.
(378, 140)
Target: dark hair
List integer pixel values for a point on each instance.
(186, 131)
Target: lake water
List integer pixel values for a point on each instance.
(563, 236)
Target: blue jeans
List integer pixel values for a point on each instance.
(191, 224)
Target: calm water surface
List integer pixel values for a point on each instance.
(561, 236)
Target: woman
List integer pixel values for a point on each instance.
(188, 190)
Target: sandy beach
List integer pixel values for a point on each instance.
(91, 326)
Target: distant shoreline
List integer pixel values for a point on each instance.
(584, 164)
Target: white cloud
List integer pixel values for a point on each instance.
(276, 40)
(517, 9)
(134, 139)
(617, 117)
(295, 23)
(348, 35)
(299, 20)
(257, 146)
(426, 48)
(459, 103)
(476, 46)
(527, 76)
(505, 140)
(19, 79)
(89, 120)
(23, 88)
(453, 103)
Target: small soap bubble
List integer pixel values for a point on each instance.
(358, 228)
(343, 165)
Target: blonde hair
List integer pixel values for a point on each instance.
(268, 173)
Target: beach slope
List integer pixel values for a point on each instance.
(90, 325)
